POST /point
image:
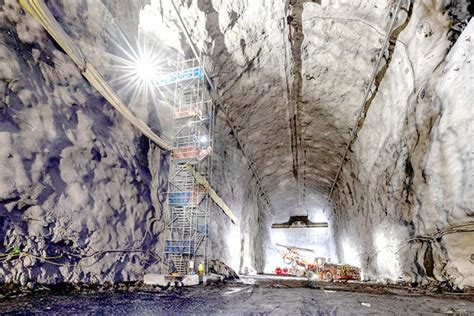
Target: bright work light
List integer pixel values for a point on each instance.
(146, 70)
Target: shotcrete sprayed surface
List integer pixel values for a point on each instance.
(78, 183)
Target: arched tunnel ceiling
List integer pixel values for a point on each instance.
(292, 77)
(284, 87)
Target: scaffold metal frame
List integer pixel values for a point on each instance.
(186, 234)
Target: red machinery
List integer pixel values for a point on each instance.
(190, 152)
(282, 271)
(188, 111)
(317, 268)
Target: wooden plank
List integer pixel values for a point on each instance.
(214, 196)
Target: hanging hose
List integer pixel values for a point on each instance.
(430, 238)
(16, 254)
(39, 10)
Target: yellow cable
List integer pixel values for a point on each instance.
(40, 11)
(25, 6)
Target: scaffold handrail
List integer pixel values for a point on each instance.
(192, 142)
(183, 75)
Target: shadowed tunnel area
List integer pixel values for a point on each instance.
(148, 142)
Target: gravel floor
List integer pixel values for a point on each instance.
(235, 298)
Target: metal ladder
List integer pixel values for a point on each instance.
(193, 126)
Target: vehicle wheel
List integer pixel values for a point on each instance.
(328, 276)
(310, 275)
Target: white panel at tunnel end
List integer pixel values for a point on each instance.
(318, 239)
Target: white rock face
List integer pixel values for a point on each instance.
(291, 76)
(79, 187)
(411, 169)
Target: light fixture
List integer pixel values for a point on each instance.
(300, 222)
(145, 69)
(203, 139)
(138, 71)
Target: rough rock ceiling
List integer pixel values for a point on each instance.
(292, 77)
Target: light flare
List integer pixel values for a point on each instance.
(134, 67)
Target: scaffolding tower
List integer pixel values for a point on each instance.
(186, 243)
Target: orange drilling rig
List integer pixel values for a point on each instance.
(317, 269)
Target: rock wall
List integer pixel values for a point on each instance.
(409, 173)
(250, 50)
(81, 188)
(81, 191)
(77, 184)
(246, 60)
(293, 76)
(241, 246)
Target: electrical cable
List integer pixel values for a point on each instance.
(433, 237)
(39, 10)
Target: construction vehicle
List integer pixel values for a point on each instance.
(329, 272)
(317, 269)
(298, 262)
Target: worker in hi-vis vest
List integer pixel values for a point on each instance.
(200, 271)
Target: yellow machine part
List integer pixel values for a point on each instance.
(216, 198)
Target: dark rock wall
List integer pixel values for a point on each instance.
(81, 191)
(78, 183)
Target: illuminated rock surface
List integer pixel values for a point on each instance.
(77, 178)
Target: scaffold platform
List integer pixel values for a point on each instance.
(186, 243)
